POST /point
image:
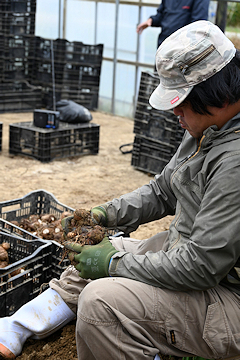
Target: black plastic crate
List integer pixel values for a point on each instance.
(82, 74)
(13, 103)
(65, 51)
(44, 60)
(156, 124)
(48, 144)
(2, 45)
(34, 257)
(18, 24)
(43, 49)
(27, 59)
(18, 6)
(86, 96)
(161, 125)
(42, 74)
(10, 228)
(148, 82)
(40, 259)
(18, 47)
(18, 97)
(20, 71)
(80, 53)
(150, 155)
(37, 202)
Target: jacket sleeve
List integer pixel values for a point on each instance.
(156, 19)
(199, 10)
(208, 253)
(149, 202)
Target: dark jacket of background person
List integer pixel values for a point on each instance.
(174, 14)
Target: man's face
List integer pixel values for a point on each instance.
(193, 122)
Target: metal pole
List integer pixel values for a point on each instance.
(59, 19)
(115, 58)
(137, 59)
(64, 18)
(221, 18)
(96, 17)
(53, 77)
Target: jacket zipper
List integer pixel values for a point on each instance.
(190, 156)
(197, 59)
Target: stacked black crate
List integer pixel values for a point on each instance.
(73, 68)
(49, 65)
(18, 17)
(157, 132)
(17, 29)
(82, 72)
(1, 55)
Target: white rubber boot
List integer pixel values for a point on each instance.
(157, 357)
(38, 319)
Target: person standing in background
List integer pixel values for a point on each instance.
(172, 15)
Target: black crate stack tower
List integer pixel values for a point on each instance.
(81, 77)
(157, 133)
(26, 66)
(77, 69)
(17, 28)
(48, 62)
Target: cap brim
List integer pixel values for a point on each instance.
(167, 99)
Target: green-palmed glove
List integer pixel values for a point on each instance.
(99, 215)
(92, 260)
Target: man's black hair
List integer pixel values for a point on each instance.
(222, 87)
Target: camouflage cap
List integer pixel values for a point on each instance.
(189, 56)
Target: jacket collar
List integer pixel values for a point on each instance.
(214, 136)
(234, 122)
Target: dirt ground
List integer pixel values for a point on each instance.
(79, 182)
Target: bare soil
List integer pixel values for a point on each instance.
(79, 182)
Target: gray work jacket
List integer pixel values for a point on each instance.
(200, 185)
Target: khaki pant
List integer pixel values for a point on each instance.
(120, 318)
